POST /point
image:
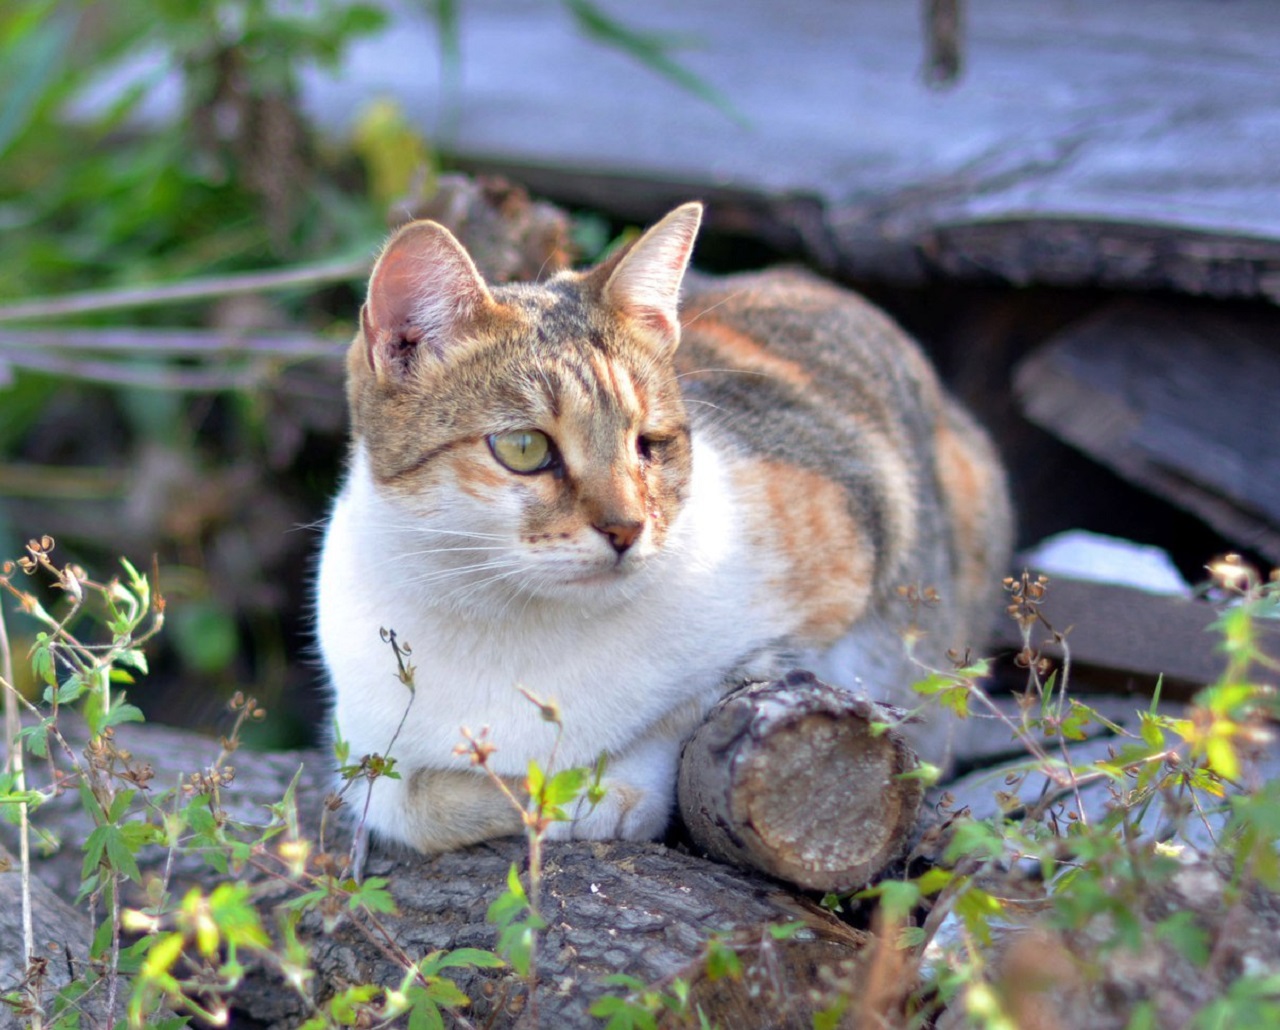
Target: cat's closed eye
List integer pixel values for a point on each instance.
(524, 451)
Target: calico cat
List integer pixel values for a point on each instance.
(585, 489)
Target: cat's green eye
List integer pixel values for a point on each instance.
(525, 450)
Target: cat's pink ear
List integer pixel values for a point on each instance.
(423, 291)
(645, 285)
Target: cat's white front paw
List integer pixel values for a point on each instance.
(626, 812)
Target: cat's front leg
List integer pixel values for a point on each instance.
(639, 795)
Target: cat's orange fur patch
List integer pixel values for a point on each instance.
(740, 351)
(972, 488)
(826, 566)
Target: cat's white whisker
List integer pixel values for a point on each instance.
(732, 371)
(440, 575)
(427, 551)
(686, 323)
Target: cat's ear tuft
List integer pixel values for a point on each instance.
(423, 292)
(645, 284)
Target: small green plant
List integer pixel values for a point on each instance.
(152, 952)
(1096, 873)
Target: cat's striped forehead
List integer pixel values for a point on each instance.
(576, 363)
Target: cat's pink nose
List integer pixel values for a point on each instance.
(622, 535)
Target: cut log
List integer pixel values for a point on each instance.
(790, 778)
(1178, 399)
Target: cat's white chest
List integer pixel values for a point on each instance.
(667, 641)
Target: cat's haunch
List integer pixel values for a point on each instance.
(596, 492)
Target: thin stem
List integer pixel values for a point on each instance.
(203, 288)
(13, 725)
(113, 971)
(112, 373)
(184, 343)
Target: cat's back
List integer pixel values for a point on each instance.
(812, 384)
(806, 335)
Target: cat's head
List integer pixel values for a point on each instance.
(531, 438)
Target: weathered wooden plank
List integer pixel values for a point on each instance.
(1180, 400)
(1134, 143)
(1131, 632)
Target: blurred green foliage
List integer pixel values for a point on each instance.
(148, 147)
(146, 143)
(143, 142)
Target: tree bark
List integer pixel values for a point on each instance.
(789, 778)
(62, 935)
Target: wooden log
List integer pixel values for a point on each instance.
(789, 778)
(1176, 398)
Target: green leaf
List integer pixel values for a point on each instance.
(42, 661)
(931, 881)
(122, 712)
(347, 1005)
(509, 904)
(517, 942)
(978, 908)
(341, 749)
(424, 1014)
(897, 898)
(1152, 734)
(36, 738)
(394, 153)
(138, 584)
(1076, 721)
(973, 839)
(535, 781)
(132, 658)
(101, 939)
(120, 804)
(70, 691)
(459, 957)
(564, 787)
(118, 854)
(722, 961)
(447, 993)
(95, 846)
(373, 896)
(32, 59)
(622, 1014)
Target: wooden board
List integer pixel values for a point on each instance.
(1180, 400)
(1133, 143)
(1137, 635)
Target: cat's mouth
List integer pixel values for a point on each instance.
(601, 576)
(622, 567)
